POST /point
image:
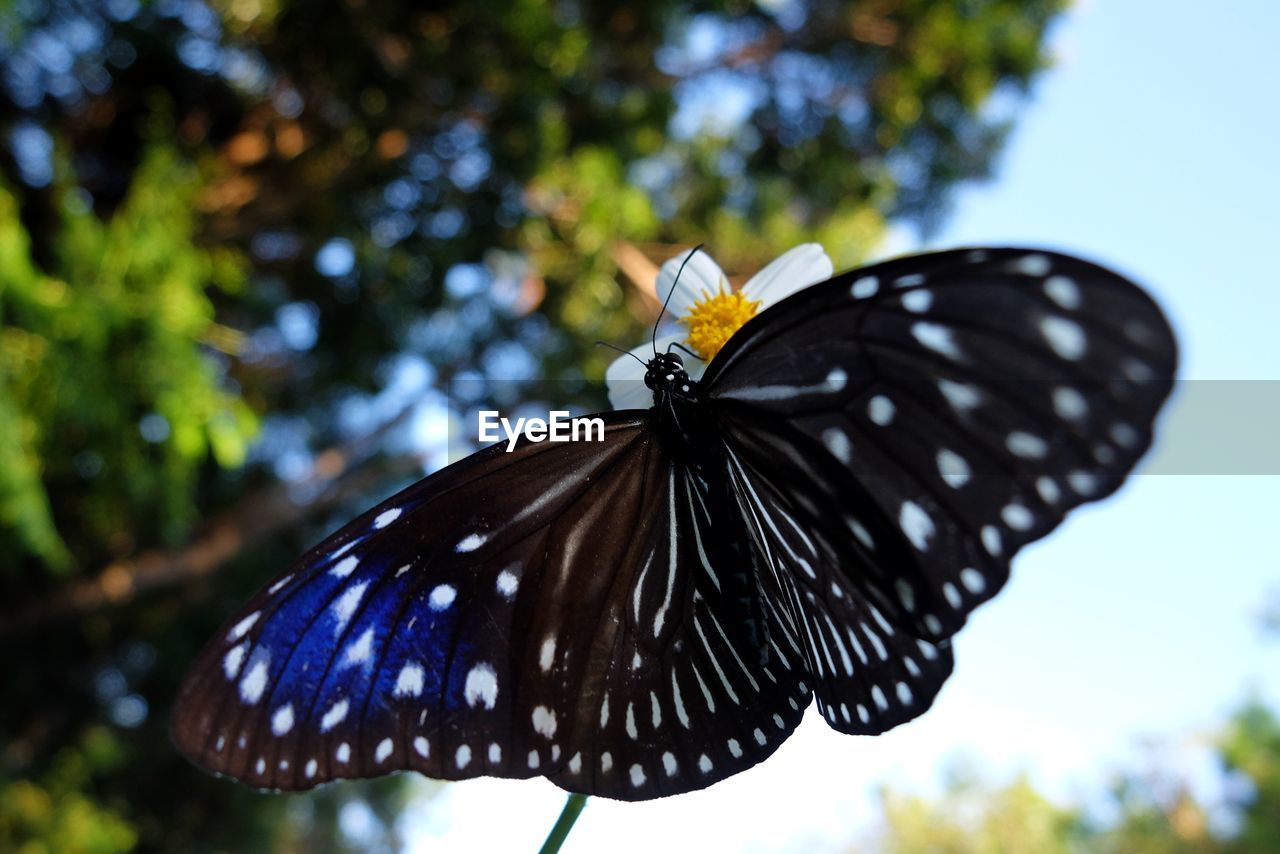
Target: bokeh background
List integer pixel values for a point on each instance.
(247, 248)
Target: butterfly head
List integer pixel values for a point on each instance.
(666, 372)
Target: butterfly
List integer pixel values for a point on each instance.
(814, 516)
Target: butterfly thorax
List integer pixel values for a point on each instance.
(679, 414)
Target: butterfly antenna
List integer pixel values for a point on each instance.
(684, 348)
(620, 350)
(671, 293)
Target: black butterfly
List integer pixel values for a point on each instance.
(652, 613)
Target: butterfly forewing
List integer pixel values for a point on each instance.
(975, 395)
(554, 611)
(412, 637)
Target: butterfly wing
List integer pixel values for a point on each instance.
(551, 611)
(902, 430)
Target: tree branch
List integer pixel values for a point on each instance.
(338, 473)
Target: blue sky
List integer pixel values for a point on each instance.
(1149, 148)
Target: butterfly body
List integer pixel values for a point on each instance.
(815, 516)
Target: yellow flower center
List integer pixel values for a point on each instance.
(713, 320)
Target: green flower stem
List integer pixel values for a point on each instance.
(568, 815)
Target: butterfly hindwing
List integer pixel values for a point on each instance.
(868, 673)
(406, 639)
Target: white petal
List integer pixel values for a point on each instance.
(625, 380)
(791, 271)
(701, 276)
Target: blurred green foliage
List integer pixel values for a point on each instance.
(107, 390)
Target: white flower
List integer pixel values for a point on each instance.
(711, 312)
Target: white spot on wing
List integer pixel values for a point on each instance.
(937, 338)
(1083, 482)
(346, 547)
(548, 653)
(972, 580)
(1032, 265)
(904, 694)
(906, 593)
(1124, 435)
(233, 660)
(860, 531)
(282, 720)
(345, 567)
(346, 605)
(991, 540)
(837, 443)
(337, 714)
(917, 301)
(442, 597)
(463, 756)
(1063, 291)
(960, 395)
(1026, 445)
(952, 593)
(880, 409)
(386, 517)
(481, 686)
(916, 524)
(1069, 403)
(383, 750)
(239, 629)
(953, 468)
(865, 287)
(360, 651)
(422, 747)
(1017, 517)
(469, 543)
(544, 721)
(255, 681)
(409, 682)
(1064, 336)
(507, 583)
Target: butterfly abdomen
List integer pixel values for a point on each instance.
(739, 588)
